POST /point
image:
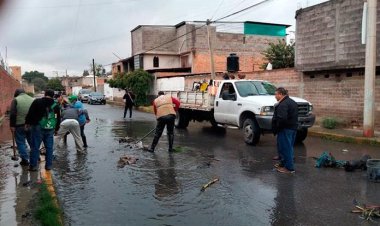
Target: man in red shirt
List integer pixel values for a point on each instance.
(165, 108)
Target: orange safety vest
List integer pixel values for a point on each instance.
(164, 106)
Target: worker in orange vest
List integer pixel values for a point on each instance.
(165, 108)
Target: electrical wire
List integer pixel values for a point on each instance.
(242, 10)
(217, 20)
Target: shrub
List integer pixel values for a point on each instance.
(329, 123)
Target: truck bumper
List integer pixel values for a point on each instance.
(306, 122)
(265, 122)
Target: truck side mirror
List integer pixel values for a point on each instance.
(233, 96)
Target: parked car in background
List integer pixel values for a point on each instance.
(83, 95)
(96, 97)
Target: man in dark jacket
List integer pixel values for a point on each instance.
(39, 109)
(285, 124)
(19, 108)
(129, 98)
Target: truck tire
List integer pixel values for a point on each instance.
(301, 135)
(181, 120)
(214, 124)
(251, 131)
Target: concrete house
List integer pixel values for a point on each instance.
(331, 56)
(154, 51)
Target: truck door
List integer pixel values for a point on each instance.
(225, 109)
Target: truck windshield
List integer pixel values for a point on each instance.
(252, 88)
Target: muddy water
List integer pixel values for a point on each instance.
(164, 188)
(17, 184)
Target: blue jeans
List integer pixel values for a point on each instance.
(285, 143)
(41, 135)
(20, 135)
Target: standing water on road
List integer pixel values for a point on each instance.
(164, 188)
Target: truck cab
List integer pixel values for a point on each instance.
(249, 104)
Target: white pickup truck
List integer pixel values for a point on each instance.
(247, 104)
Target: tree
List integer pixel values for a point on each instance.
(85, 73)
(55, 84)
(30, 76)
(138, 81)
(280, 55)
(99, 70)
(39, 84)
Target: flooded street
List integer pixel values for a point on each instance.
(165, 188)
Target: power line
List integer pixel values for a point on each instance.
(242, 10)
(197, 28)
(220, 4)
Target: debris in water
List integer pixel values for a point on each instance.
(126, 160)
(26, 215)
(209, 184)
(368, 212)
(126, 140)
(26, 184)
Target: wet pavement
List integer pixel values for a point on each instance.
(17, 184)
(164, 188)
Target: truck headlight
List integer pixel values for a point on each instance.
(267, 110)
(310, 108)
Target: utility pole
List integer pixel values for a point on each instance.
(93, 68)
(208, 22)
(370, 71)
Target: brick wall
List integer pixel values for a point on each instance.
(328, 36)
(247, 62)
(8, 85)
(340, 95)
(247, 47)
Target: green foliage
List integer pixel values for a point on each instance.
(99, 70)
(39, 84)
(138, 81)
(280, 55)
(85, 73)
(329, 123)
(30, 94)
(47, 212)
(55, 84)
(30, 76)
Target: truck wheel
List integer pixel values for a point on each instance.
(251, 131)
(213, 122)
(181, 120)
(301, 135)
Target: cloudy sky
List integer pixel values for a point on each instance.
(53, 36)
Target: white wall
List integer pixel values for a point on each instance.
(75, 90)
(111, 93)
(164, 62)
(170, 84)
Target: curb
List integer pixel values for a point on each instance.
(345, 138)
(48, 179)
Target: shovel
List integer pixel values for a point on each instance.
(14, 157)
(136, 142)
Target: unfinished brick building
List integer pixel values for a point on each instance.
(190, 53)
(331, 56)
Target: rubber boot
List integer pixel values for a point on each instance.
(65, 139)
(171, 140)
(84, 139)
(154, 144)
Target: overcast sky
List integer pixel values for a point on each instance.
(53, 35)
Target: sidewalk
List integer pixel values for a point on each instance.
(344, 135)
(341, 135)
